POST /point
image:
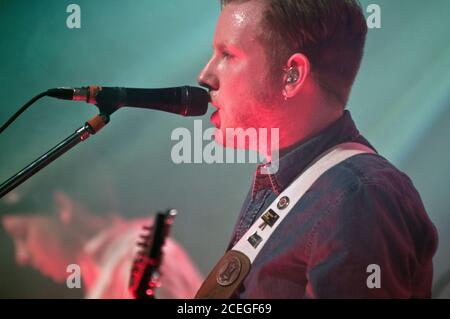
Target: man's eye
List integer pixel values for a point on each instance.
(227, 54)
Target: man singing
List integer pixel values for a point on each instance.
(290, 65)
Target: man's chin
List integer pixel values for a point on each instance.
(219, 137)
(230, 140)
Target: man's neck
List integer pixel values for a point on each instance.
(298, 132)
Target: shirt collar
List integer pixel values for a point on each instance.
(292, 163)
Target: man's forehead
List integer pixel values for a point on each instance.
(238, 24)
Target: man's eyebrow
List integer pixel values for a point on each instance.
(226, 46)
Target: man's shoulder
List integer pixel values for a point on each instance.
(368, 171)
(371, 198)
(370, 183)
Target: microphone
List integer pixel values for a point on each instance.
(184, 100)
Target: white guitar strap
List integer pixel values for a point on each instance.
(254, 239)
(236, 263)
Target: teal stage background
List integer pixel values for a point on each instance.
(401, 103)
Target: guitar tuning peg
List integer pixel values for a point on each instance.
(150, 292)
(141, 244)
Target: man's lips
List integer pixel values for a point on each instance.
(215, 119)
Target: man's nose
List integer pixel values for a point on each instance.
(207, 78)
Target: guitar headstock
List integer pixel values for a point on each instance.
(145, 273)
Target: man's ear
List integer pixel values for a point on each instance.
(297, 70)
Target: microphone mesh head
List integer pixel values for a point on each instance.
(197, 101)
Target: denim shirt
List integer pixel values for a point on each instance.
(360, 231)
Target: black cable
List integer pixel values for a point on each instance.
(21, 110)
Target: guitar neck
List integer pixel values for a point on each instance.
(145, 274)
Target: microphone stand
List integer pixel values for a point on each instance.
(83, 133)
